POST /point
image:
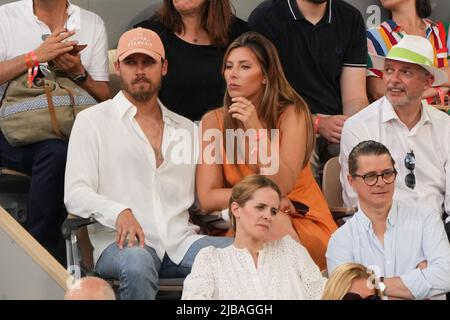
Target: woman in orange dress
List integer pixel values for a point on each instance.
(265, 128)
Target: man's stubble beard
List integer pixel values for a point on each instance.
(142, 96)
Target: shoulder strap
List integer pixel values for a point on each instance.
(51, 109)
(4, 93)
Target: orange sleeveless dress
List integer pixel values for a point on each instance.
(316, 227)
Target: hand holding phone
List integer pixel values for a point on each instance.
(77, 48)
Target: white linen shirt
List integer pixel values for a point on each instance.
(429, 139)
(21, 31)
(111, 167)
(413, 234)
(285, 270)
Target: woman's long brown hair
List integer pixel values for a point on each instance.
(278, 93)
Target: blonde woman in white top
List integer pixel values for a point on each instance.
(254, 268)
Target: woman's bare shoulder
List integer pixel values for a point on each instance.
(211, 117)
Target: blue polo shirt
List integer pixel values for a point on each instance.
(313, 55)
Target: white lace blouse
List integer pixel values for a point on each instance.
(284, 271)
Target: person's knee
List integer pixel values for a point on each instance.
(57, 152)
(51, 158)
(137, 262)
(54, 151)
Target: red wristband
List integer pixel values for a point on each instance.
(29, 63)
(33, 65)
(260, 136)
(257, 138)
(441, 94)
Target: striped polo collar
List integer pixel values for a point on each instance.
(297, 15)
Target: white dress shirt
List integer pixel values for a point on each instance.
(285, 270)
(429, 139)
(21, 31)
(413, 234)
(111, 167)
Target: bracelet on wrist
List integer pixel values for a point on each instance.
(32, 63)
(441, 95)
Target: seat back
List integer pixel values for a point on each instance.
(331, 185)
(14, 186)
(332, 191)
(12, 181)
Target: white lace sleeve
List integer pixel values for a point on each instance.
(308, 271)
(200, 283)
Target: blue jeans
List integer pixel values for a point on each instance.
(139, 269)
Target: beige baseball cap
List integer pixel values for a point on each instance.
(140, 40)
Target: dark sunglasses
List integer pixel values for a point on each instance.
(410, 164)
(355, 296)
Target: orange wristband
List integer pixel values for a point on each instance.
(441, 94)
(257, 138)
(29, 70)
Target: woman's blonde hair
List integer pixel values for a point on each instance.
(342, 278)
(278, 93)
(244, 190)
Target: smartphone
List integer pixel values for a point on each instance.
(301, 208)
(77, 48)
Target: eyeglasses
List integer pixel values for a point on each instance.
(371, 179)
(355, 296)
(410, 164)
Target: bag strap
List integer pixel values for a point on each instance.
(51, 109)
(71, 97)
(4, 93)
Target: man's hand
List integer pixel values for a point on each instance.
(330, 127)
(422, 265)
(286, 206)
(432, 92)
(128, 228)
(70, 63)
(243, 110)
(55, 45)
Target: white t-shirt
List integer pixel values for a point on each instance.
(21, 32)
(285, 270)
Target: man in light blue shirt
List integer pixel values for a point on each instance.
(405, 245)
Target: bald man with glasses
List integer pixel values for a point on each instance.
(405, 245)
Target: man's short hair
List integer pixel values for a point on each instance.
(366, 148)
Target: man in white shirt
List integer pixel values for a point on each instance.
(131, 165)
(49, 30)
(404, 243)
(418, 135)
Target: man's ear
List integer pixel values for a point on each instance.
(429, 78)
(165, 67)
(117, 68)
(350, 180)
